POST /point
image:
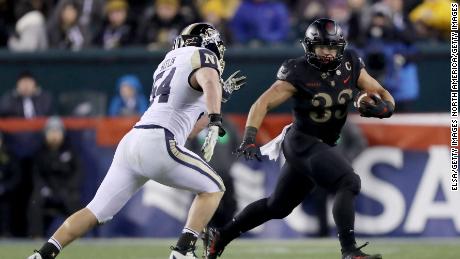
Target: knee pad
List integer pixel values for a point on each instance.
(350, 182)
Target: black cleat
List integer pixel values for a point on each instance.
(356, 253)
(212, 243)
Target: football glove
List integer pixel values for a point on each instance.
(233, 83)
(248, 147)
(381, 109)
(215, 130)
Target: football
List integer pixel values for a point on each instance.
(364, 97)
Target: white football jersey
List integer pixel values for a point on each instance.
(174, 104)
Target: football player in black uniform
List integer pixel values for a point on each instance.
(321, 84)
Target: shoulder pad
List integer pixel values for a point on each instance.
(286, 69)
(353, 55)
(204, 58)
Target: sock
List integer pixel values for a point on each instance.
(344, 217)
(347, 240)
(50, 249)
(187, 240)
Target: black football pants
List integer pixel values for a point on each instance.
(308, 162)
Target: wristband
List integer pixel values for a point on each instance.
(215, 117)
(250, 134)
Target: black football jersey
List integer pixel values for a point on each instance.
(322, 98)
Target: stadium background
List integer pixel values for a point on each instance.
(405, 167)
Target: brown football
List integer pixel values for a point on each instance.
(364, 97)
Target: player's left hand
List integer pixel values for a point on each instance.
(379, 109)
(233, 83)
(249, 150)
(215, 130)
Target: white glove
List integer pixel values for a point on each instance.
(210, 142)
(233, 83)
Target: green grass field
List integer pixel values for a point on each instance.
(241, 249)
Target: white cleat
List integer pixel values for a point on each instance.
(35, 256)
(177, 255)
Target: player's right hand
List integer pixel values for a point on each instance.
(210, 142)
(215, 130)
(379, 109)
(249, 150)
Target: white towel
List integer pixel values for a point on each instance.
(274, 148)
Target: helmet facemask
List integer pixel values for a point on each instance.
(212, 41)
(323, 62)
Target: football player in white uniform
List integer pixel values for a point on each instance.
(186, 85)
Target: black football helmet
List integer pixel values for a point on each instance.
(324, 32)
(202, 35)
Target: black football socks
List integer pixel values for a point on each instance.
(344, 217)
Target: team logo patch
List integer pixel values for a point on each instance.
(282, 73)
(348, 65)
(209, 58)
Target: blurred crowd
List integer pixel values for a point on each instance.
(383, 31)
(30, 25)
(28, 100)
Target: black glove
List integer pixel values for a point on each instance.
(381, 109)
(248, 147)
